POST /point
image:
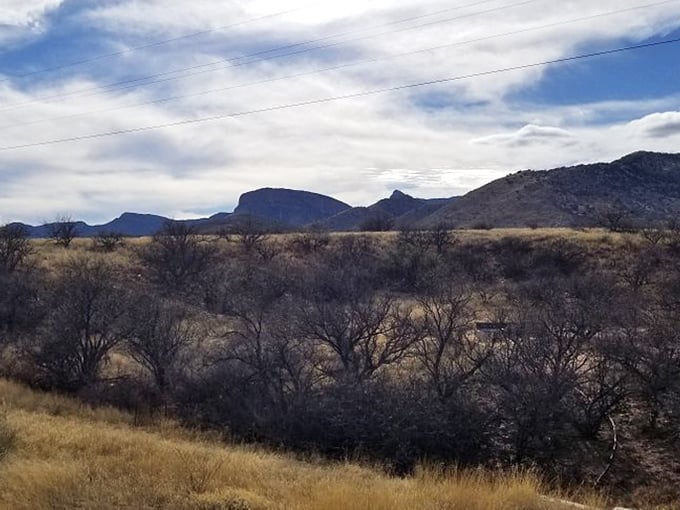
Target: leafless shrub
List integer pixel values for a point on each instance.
(86, 319)
(178, 256)
(107, 241)
(653, 236)
(160, 337)
(15, 247)
(63, 230)
(448, 350)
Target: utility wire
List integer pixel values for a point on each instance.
(341, 66)
(144, 81)
(344, 97)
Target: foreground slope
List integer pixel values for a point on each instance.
(69, 456)
(645, 186)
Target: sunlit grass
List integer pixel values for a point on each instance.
(68, 455)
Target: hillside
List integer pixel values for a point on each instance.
(643, 186)
(291, 207)
(399, 208)
(67, 455)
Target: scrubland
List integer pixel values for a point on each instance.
(67, 455)
(413, 369)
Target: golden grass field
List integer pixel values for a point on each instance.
(70, 456)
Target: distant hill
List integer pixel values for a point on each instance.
(401, 209)
(290, 207)
(645, 186)
(133, 224)
(128, 224)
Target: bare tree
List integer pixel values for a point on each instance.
(544, 359)
(311, 242)
(177, 255)
(360, 337)
(15, 247)
(250, 234)
(653, 235)
(21, 306)
(377, 221)
(86, 319)
(264, 354)
(107, 241)
(449, 350)
(650, 352)
(63, 230)
(160, 338)
(615, 218)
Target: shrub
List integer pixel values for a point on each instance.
(8, 438)
(15, 247)
(177, 256)
(107, 241)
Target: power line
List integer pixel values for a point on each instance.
(139, 82)
(344, 66)
(344, 97)
(152, 44)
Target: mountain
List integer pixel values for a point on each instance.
(133, 224)
(128, 224)
(644, 186)
(290, 207)
(400, 209)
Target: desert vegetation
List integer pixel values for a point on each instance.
(544, 350)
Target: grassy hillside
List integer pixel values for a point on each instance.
(68, 456)
(644, 187)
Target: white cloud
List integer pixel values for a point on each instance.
(658, 125)
(25, 12)
(326, 148)
(529, 135)
(23, 19)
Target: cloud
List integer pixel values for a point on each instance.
(25, 12)
(23, 19)
(658, 125)
(528, 135)
(417, 140)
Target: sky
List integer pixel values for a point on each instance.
(78, 69)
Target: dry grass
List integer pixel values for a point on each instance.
(69, 456)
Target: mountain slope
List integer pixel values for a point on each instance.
(645, 186)
(291, 207)
(400, 208)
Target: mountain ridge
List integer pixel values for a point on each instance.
(643, 185)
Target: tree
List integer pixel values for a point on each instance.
(616, 218)
(21, 306)
(648, 346)
(250, 234)
(15, 248)
(360, 337)
(269, 369)
(543, 364)
(63, 230)
(107, 241)
(449, 351)
(377, 221)
(177, 256)
(86, 319)
(160, 336)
